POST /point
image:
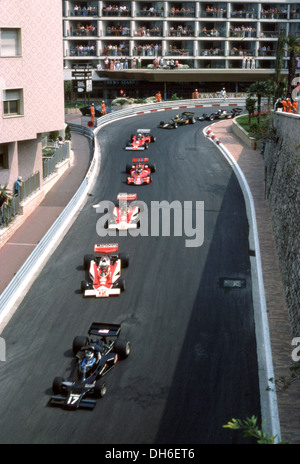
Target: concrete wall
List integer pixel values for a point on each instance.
(282, 162)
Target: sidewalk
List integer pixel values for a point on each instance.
(21, 244)
(17, 249)
(251, 163)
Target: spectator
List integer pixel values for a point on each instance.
(223, 93)
(18, 186)
(158, 96)
(103, 109)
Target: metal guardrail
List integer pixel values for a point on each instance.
(23, 276)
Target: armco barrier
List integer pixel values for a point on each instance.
(25, 275)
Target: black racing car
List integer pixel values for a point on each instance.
(221, 114)
(183, 120)
(95, 358)
(86, 111)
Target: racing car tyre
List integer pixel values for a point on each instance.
(153, 138)
(85, 285)
(211, 117)
(124, 257)
(122, 348)
(78, 343)
(152, 167)
(87, 261)
(128, 168)
(120, 284)
(146, 146)
(100, 389)
(57, 384)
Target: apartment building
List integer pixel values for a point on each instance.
(194, 42)
(31, 84)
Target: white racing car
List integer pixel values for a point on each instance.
(104, 271)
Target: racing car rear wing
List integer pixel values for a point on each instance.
(140, 160)
(104, 330)
(106, 248)
(127, 196)
(143, 131)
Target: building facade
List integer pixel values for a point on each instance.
(196, 41)
(31, 84)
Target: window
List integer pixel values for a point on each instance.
(3, 156)
(13, 102)
(10, 42)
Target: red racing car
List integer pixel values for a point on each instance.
(104, 271)
(140, 171)
(125, 215)
(141, 140)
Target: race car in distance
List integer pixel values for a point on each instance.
(139, 171)
(86, 111)
(183, 120)
(221, 114)
(104, 271)
(124, 216)
(141, 140)
(96, 355)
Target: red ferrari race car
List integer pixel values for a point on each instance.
(125, 215)
(140, 171)
(141, 140)
(104, 271)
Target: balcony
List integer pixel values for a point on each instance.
(181, 30)
(142, 49)
(148, 30)
(88, 49)
(112, 30)
(117, 10)
(82, 30)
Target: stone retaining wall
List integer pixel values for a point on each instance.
(282, 163)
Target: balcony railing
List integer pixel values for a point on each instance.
(83, 12)
(116, 11)
(151, 12)
(59, 154)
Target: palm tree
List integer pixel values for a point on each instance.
(293, 48)
(259, 89)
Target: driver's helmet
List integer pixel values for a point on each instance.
(177, 116)
(139, 169)
(140, 136)
(104, 265)
(89, 355)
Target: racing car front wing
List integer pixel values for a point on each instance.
(84, 403)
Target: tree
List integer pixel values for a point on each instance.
(250, 106)
(293, 48)
(259, 89)
(4, 193)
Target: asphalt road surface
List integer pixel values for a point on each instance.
(193, 363)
